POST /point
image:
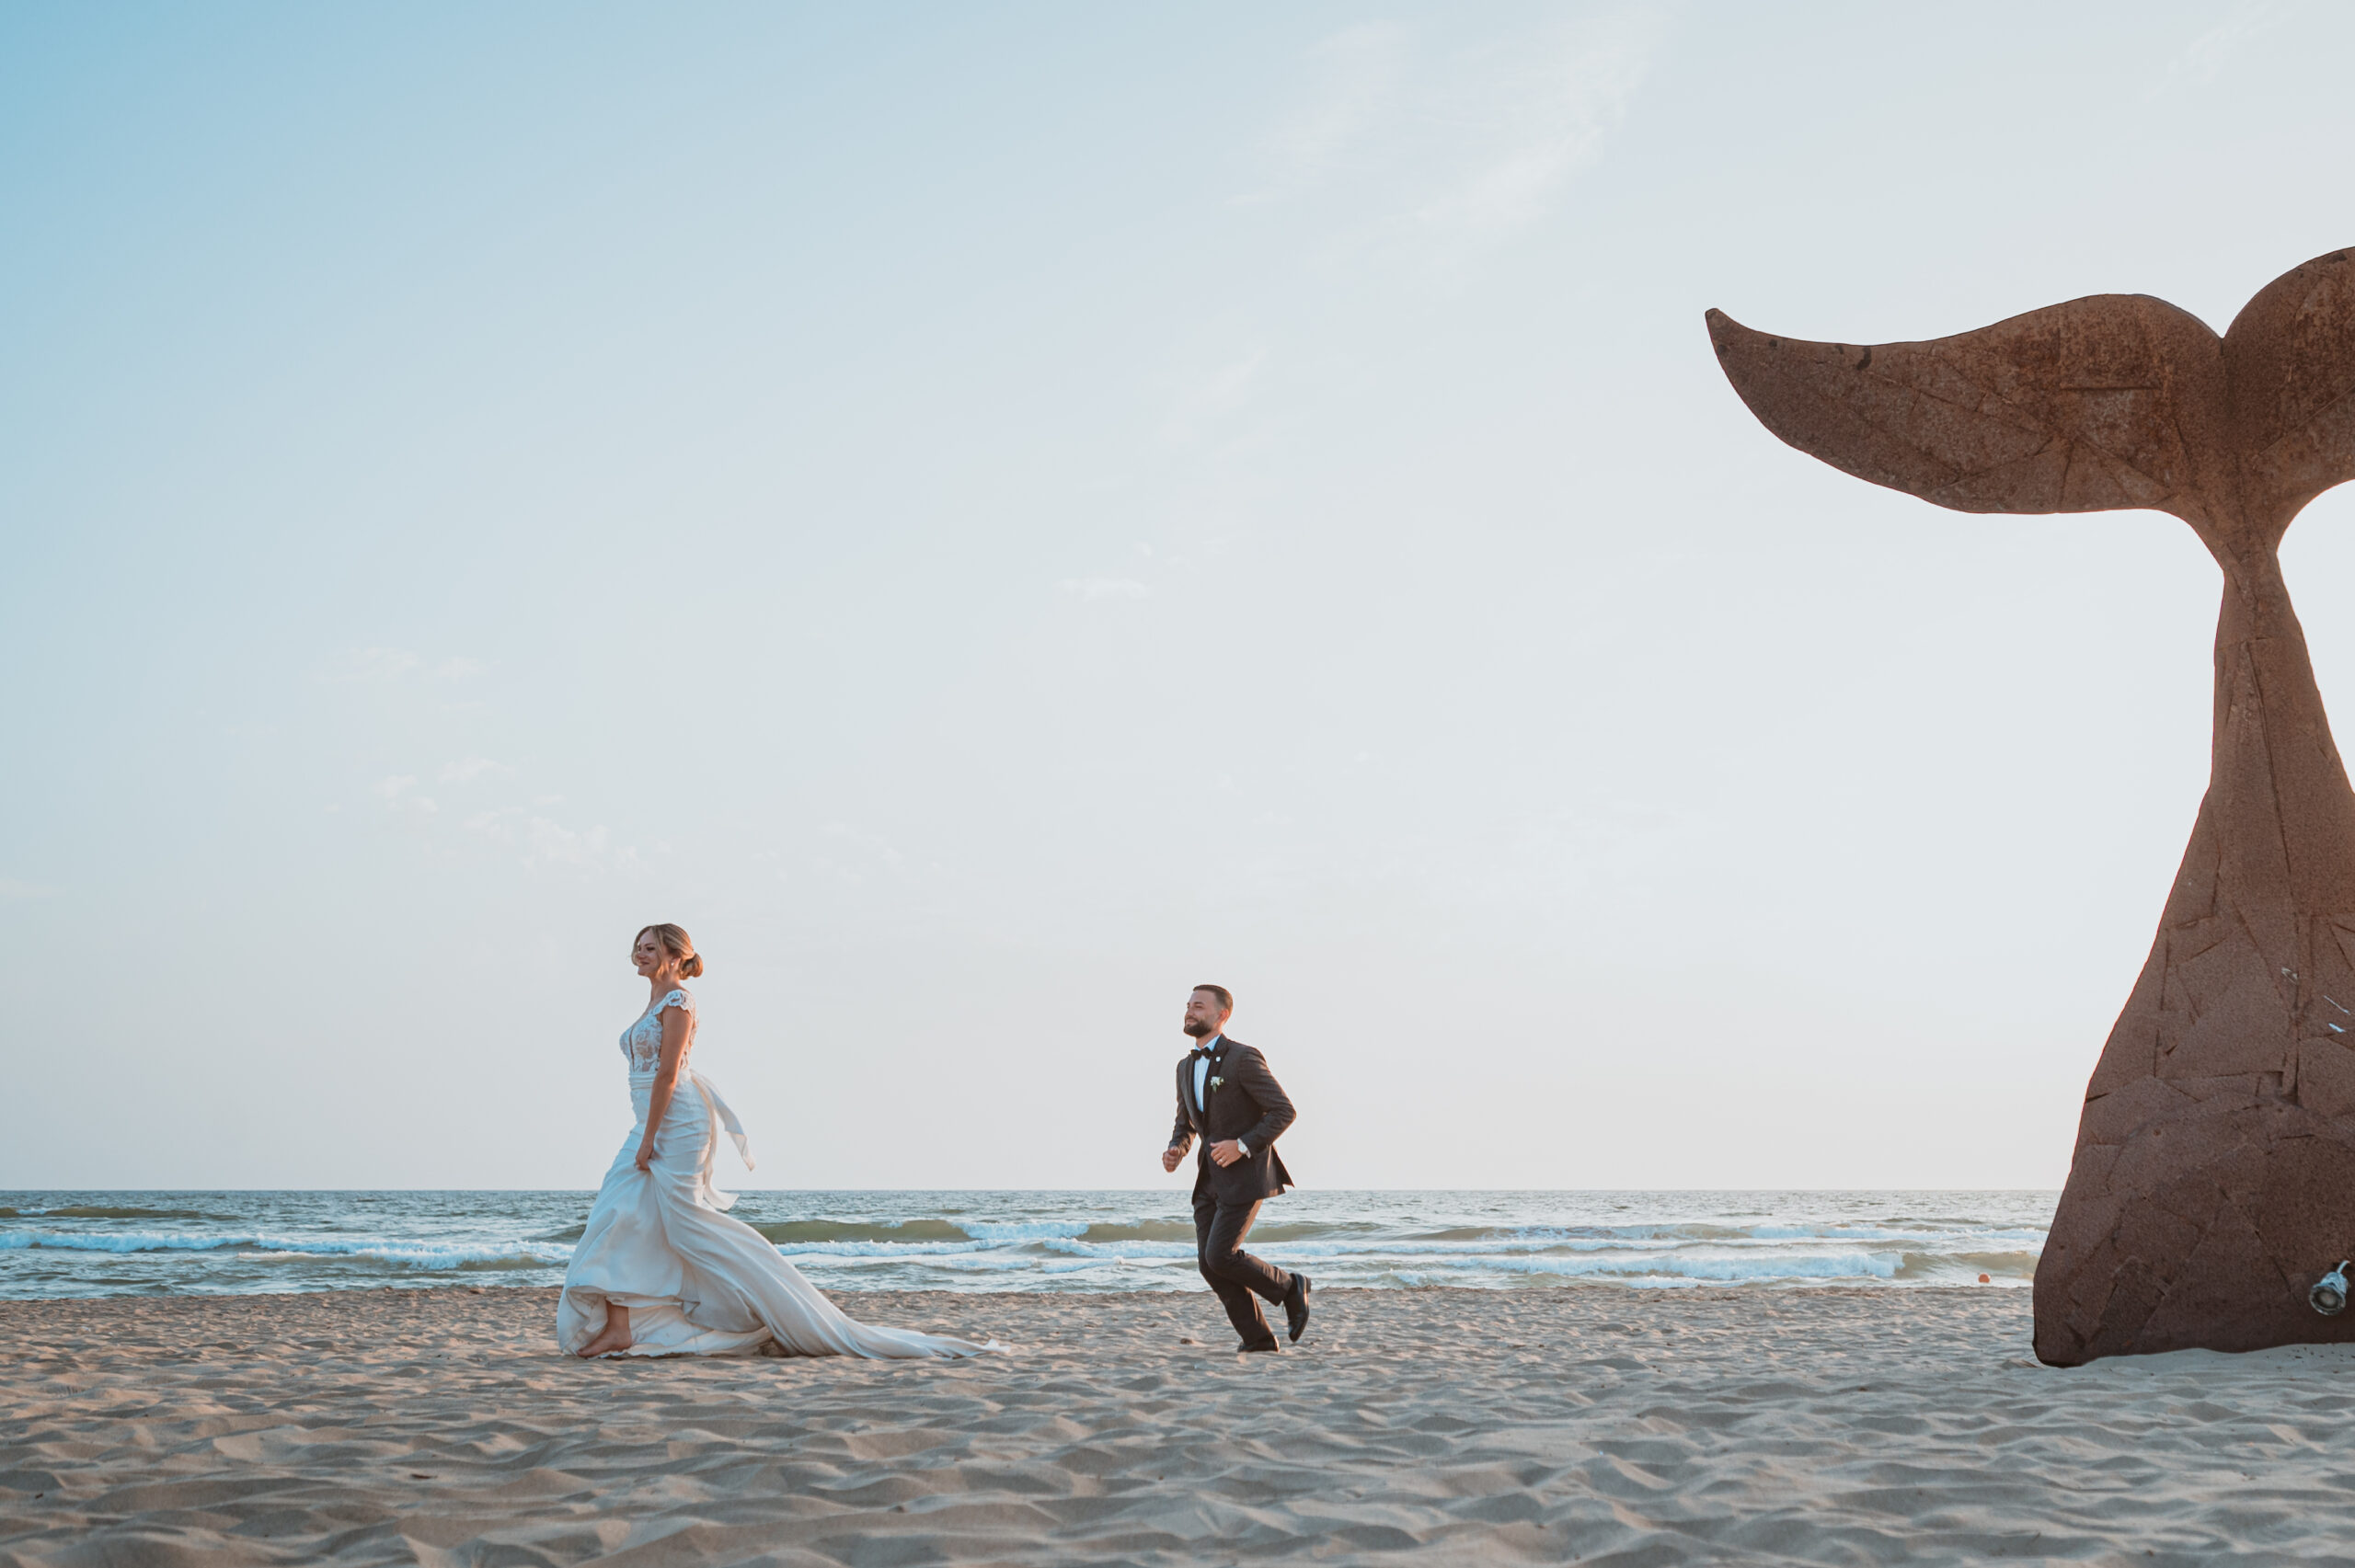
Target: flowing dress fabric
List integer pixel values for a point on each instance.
(696, 1281)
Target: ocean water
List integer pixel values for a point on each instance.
(108, 1244)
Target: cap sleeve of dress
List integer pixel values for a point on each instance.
(680, 999)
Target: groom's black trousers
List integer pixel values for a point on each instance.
(1239, 1279)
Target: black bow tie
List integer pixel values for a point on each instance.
(1204, 1050)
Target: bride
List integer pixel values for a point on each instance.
(660, 1270)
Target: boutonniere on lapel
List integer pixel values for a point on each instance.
(1215, 1082)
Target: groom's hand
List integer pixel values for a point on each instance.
(1170, 1156)
(1226, 1151)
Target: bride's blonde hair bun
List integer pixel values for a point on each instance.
(678, 945)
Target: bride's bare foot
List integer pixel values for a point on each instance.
(614, 1336)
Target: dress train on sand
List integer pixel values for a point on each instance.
(698, 1282)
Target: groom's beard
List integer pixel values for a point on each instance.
(1197, 1030)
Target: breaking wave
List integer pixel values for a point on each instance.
(85, 1244)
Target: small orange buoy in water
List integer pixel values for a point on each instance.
(1984, 1280)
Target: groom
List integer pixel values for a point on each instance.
(1226, 1094)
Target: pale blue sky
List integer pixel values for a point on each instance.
(990, 515)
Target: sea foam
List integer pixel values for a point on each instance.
(84, 1243)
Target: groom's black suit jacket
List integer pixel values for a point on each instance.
(1249, 1104)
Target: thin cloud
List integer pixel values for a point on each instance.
(1093, 589)
(11, 887)
(551, 840)
(2205, 57)
(399, 793)
(1483, 136)
(858, 858)
(1536, 121)
(1358, 73)
(543, 840)
(372, 663)
(1214, 397)
(466, 770)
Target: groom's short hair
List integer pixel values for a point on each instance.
(1225, 997)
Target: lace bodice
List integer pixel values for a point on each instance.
(642, 1041)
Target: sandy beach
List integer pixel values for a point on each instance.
(1579, 1425)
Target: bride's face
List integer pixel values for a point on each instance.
(646, 955)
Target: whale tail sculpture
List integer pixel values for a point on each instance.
(2214, 1171)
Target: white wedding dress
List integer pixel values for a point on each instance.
(696, 1282)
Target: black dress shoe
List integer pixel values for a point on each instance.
(1297, 1306)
